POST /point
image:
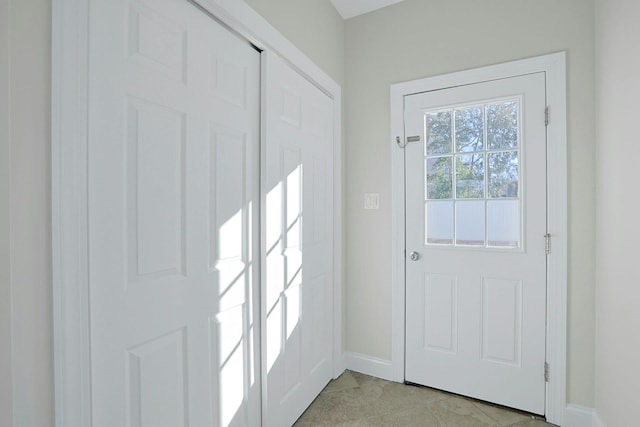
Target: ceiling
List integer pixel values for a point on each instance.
(350, 8)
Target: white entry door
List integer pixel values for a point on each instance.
(173, 203)
(297, 193)
(475, 240)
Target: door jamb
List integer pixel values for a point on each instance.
(554, 66)
(70, 95)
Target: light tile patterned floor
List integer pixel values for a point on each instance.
(359, 400)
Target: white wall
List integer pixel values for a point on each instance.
(6, 398)
(31, 307)
(314, 26)
(618, 234)
(420, 38)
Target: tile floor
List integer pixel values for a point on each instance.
(360, 400)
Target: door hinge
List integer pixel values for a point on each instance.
(546, 372)
(546, 115)
(547, 243)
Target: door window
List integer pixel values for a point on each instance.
(472, 180)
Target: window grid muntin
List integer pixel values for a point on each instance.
(485, 152)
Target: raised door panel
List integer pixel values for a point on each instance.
(156, 41)
(157, 390)
(155, 153)
(502, 321)
(440, 313)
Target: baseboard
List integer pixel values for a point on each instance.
(369, 365)
(597, 422)
(578, 416)
(339, 365)
(581, 416)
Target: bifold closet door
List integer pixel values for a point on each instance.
(173, 218)
(297, 183)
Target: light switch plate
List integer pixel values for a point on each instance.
(371, 200)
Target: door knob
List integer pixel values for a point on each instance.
(414, 256)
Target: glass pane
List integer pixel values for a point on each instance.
(470, 223)
(503, 225)
(470, 176)
(439, 223)
(439, 178)
(469, 129)
(503, 174)
(502, 125)
(438, 129)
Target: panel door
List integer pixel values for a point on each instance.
(297, 228)
(173, 204)
(475, 240)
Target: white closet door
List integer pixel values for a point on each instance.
(173, 190)
(297, 229)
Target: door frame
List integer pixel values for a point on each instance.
(554, 67)
(70, 100)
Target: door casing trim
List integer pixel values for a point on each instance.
(69, 139)
(554, 66)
